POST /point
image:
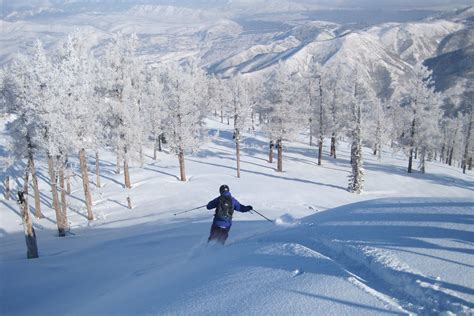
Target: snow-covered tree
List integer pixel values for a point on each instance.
(240, 111)
(80, 108)
(22, 98)
(154, 109)
(122, 84)
(317, 99)
(283, 118)
(423, 106)
(360, 101)
(182, 91)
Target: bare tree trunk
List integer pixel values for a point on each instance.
(253, 119)
(63, 191)
(237, 150)
(422, 160)
(128, 183)
(126, 171)
(31, 162)
(181, 165)
(155, 150)
(441, 154)
(412, 140)
(468, 141)
(450, 161)
(321, 130)
(97, 169)
(6, 183)
(68, 175)
(280, 156)
(270, 153)
(60, 221)
(320, 151)
(68, 184)
(310, 131)
(26, 183)
(222, 114)
(160, 142)
(410, 161)
(30, 235)
(470, 164)
(85, 183)
(416, 153)
(333, 145)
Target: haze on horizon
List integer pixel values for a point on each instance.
(322, 4)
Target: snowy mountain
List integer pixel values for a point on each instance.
(173, 14)
(332, 48)
(414, 42)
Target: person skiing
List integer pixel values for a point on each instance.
(225, 206)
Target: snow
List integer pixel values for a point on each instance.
(406, 245)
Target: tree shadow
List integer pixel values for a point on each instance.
(17, 212)
(77, 212)
(113, 180)
(11, 208)
(118, 203)
(272, 176)
(162, 172)
(358, 306)
(441, 179)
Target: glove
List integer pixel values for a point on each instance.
(249, 208)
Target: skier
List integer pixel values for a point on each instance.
(225, 205)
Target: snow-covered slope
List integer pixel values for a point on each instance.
(406, 245)
(414, 42)
(174, 14)
(355, 50)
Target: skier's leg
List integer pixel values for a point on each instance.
(224, 235)
(213, 233)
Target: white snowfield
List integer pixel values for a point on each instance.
(404, 246)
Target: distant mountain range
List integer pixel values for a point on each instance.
(232, 36)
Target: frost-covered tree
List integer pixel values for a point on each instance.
(182, 91)
(154, 104)
(317, 103)
(21, 95)
(40, 114)
(122, 84)
(283, 118)
(76, 68)
(377, 128)
(240, 111)
(423, 106)
(360, 104)
(467, 153)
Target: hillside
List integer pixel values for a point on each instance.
(405, 245)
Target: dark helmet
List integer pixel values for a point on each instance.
(224, 188)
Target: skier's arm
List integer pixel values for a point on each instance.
(212, 204)
(241, 208)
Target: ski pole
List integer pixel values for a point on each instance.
(190, 210)
(263, 216)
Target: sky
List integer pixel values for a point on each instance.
(341, 3)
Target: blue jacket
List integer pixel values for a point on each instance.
(226, 223)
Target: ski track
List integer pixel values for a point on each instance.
(391, 281)
(381, 275)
